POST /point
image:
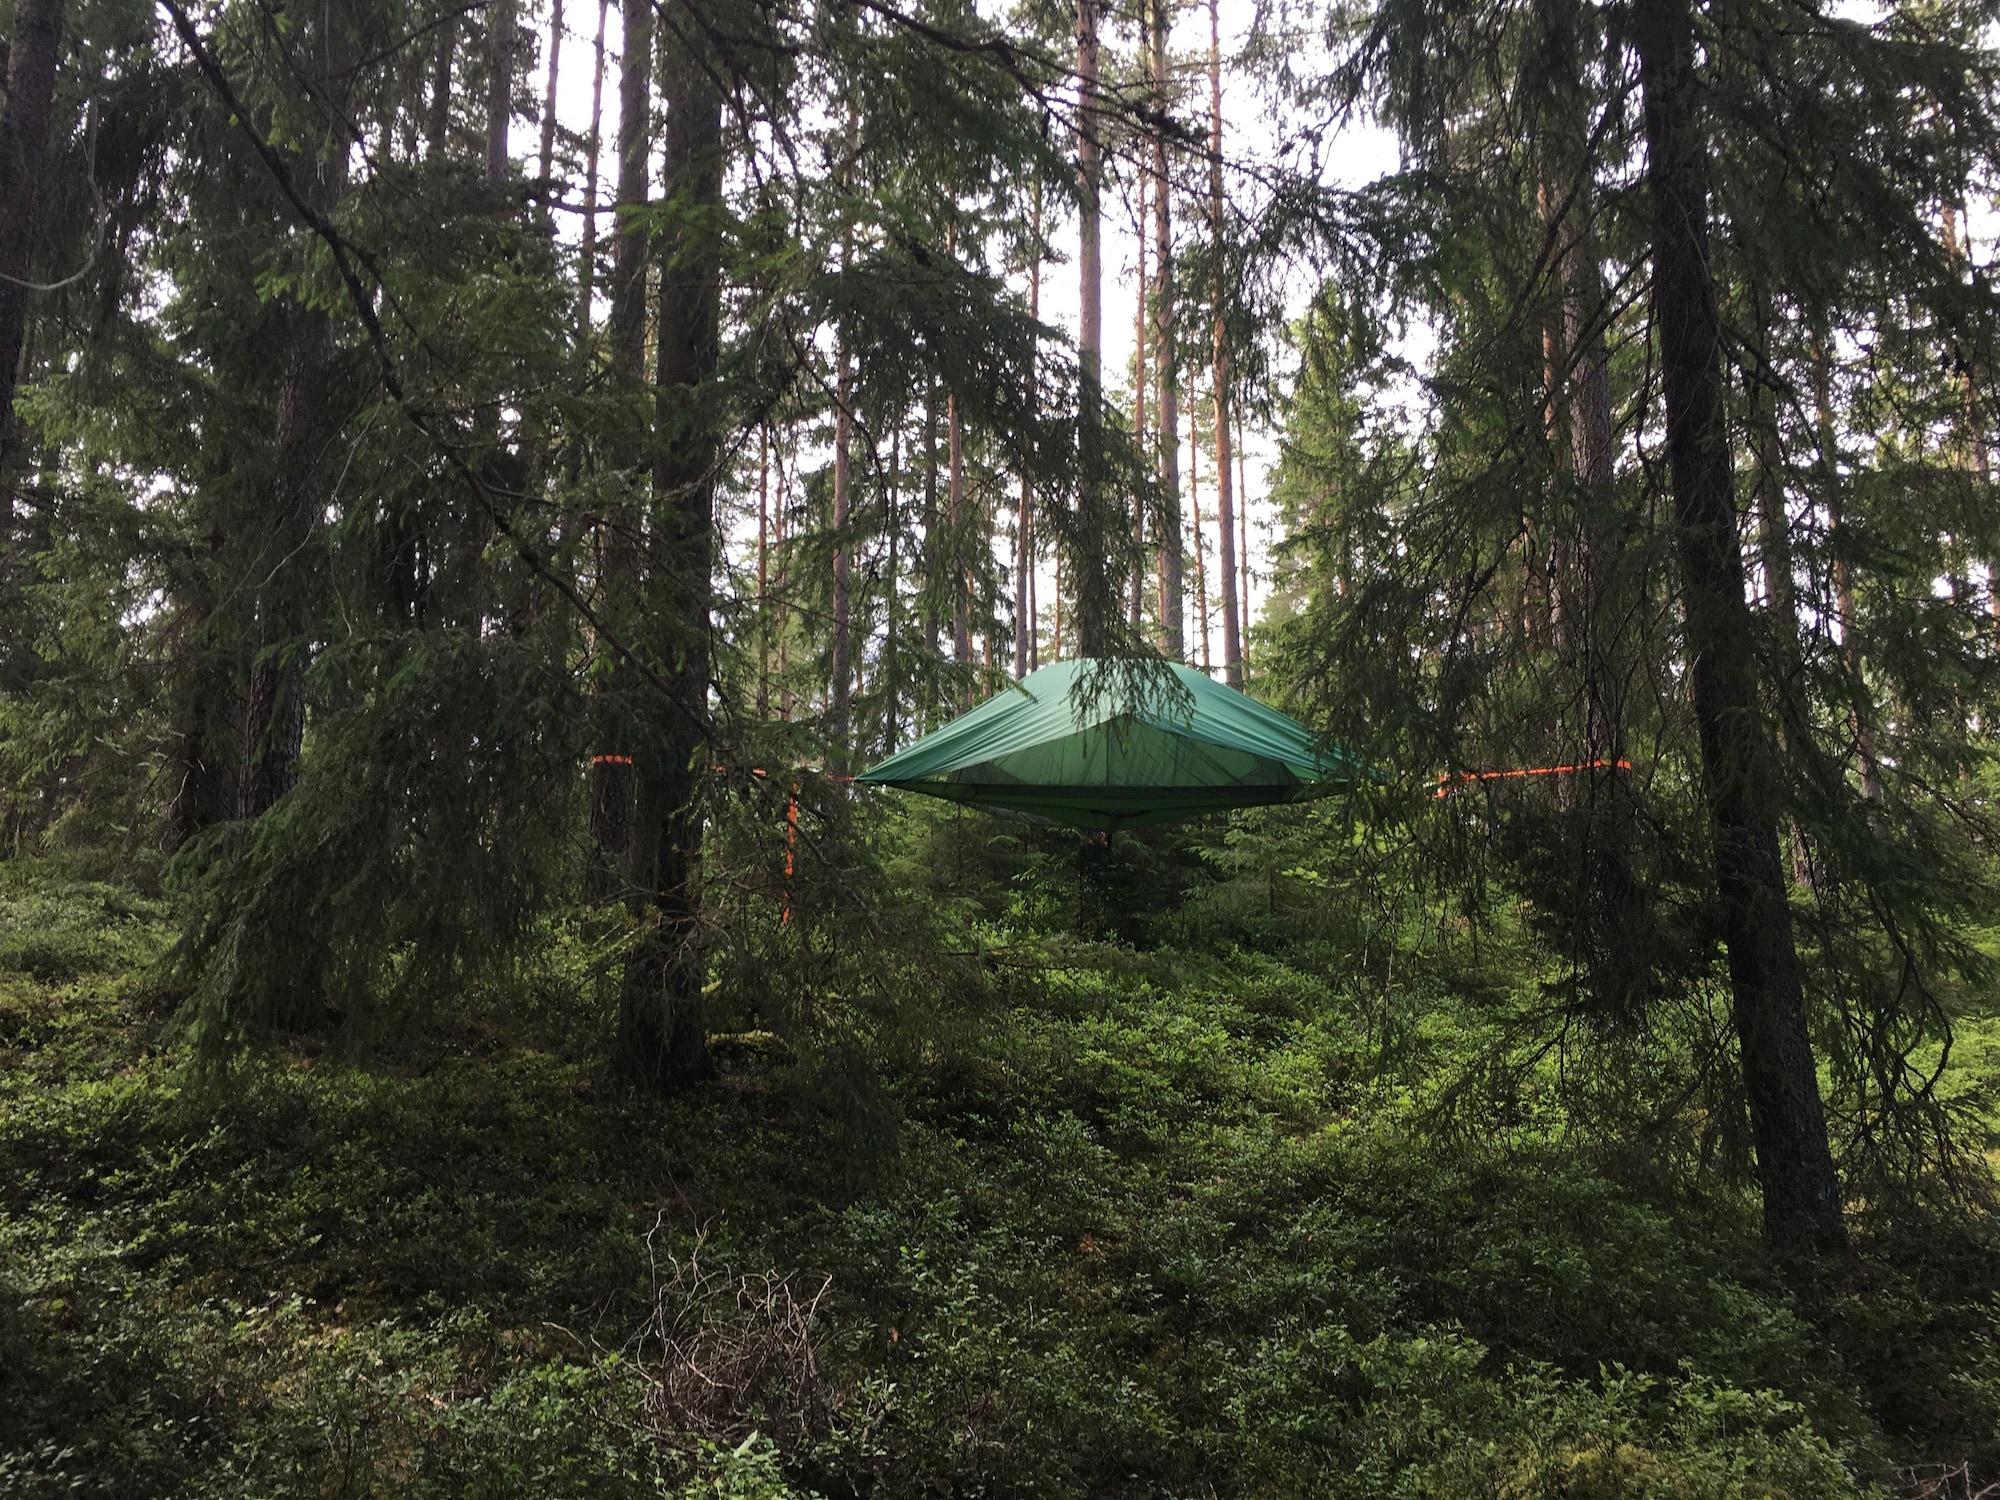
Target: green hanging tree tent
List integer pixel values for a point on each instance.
(1108, 745)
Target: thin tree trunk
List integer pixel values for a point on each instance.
(763, 628)
(587, 254)
(499, 87)
(1025, 629)
(612, 777)
(209, 755)
(1173, 582)
(1774, 530)
(1802, 1198)
(1056, 635)
(892, 626)
(662, 1043)
(1139, 419)
(24, 133)
(1580, 406)
(275, 713)
(1843, 578)
(1243, 530)
(780, 527)
(288, 569)
(1035, 617)
(466, 596)
(545, 159)
(1979, 449)
(1225, 501)
(955, 527)
(1096, 601)
(842, 668)
(1200, 541)
(437, 120)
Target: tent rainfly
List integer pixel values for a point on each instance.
(1108, 745)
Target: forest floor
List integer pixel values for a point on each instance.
(1154, 1222)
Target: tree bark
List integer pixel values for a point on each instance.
(586, 273)
(1096, 601)
(1802, 1198)
(545, 158)
(1242, 530)
(662, 1043)
(1173, 580)
(780, 527)
(287, 569)
(1139, 416)
(1200, 542)
(762, 617)
(892, 624)
(955, 527)
(1979, 450)
(1225, 505)
(1843, 577)
(209, 755)
(499, 87)
(842, 668)
(24, 134)
(437, 118)
(937, 572)
(1024, 559)
(612, 774)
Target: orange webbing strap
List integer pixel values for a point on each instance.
(1447, 784)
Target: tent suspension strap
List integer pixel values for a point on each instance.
(1451, 781)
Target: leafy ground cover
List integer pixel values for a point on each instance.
(1145, 1220)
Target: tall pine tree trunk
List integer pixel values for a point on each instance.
(763, 616)
(1090, 539)
(24, 134)
(662, 1042)
(1802, 1199)
(842, 666)
(1200, 542)
(546, 156)
(936, 569)
(1831, 500)
(586, 271)
(1974, 437)
(1138, 603)
(499, 87)
(288, 568)
(956, 528)
(467, 595)
(780, 526)
(1225, 506)
(24, 130)
(209, 756)
(892, 623)
(612, 775)
(1025, 652)
(1173, 582)
(1242, 530)
(437, 113)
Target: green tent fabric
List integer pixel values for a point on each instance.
(1116, 745)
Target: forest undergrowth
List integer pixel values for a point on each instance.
(1212, 1202)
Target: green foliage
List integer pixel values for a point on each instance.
(1164, 1219)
